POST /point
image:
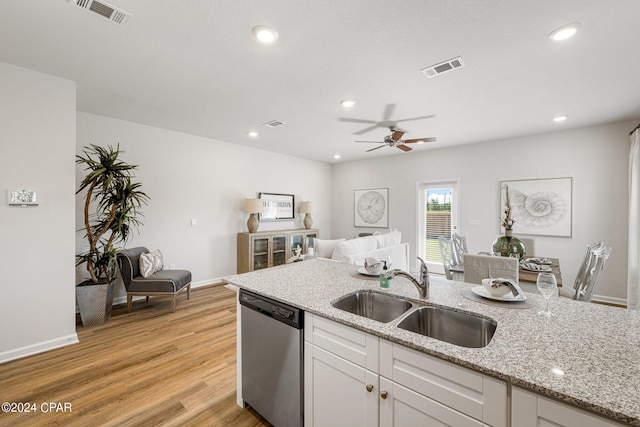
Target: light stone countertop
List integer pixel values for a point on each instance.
(597, 346)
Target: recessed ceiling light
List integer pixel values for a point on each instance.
(265, 34)
(252, 134)
(336, 156)
(565, 32)
(347, 103)
(560, 119)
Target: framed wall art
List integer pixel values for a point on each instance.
(541, 207)
(277, 206)
(371, 208)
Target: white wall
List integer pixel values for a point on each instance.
(190, 177)
(37, 136)
(596, 157)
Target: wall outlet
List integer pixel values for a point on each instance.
(194, 222)
(172, 266)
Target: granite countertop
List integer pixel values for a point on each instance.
(587, 354)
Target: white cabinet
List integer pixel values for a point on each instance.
(338, 392)
(340, 375)
(531, 410)
(353, 378)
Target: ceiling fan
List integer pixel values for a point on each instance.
(394, 140)
(386, 121)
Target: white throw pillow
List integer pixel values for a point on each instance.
(389, 239)
(324, 248)
(150, 263)
(354, 246)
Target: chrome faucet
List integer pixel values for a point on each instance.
(422, 285)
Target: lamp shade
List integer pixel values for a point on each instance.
(252, 206)
(307, 207)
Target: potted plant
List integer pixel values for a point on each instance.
(112, 205)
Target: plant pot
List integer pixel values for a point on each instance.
(95, 302)
(508, 245)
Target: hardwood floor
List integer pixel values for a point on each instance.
(150, 367)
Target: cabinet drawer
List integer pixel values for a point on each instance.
(531, 410)
(405, 408)
(351, 344)
(479, 396)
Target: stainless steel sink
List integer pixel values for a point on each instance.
(372, 305)
(454, 327)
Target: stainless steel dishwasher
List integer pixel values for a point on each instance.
(272, 359)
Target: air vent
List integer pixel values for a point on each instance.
(105, 10)
(273, 124)
(443, 67)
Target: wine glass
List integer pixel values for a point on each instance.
(546, 284)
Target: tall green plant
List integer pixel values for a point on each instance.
(111, 208)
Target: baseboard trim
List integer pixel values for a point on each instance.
(603, 299)
(41, 347)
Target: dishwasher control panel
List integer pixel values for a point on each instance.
(280, 311)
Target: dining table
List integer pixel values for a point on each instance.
(524, 275)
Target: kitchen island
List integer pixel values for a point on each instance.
(587, 355)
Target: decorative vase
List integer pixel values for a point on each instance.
(95, 302)
(253, 223)
(508, 245)
(308, 221)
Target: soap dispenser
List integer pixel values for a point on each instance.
(384, 282)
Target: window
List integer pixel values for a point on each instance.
(437, 213)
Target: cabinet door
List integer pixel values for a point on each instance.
(278, 250)
(531, 410)
(401, 407)
(338, 392)
(260, 257)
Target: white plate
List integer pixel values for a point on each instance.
(482, 292)
(361, 270)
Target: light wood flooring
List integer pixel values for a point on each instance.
(150, 367)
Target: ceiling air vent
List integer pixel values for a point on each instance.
(443, 67)
(273, 124)
(113, 14)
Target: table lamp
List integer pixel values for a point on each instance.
(252, 207)
(306, 208)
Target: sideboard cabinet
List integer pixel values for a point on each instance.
(266, 249)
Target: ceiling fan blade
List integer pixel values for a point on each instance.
(415, 118)
(347, 119)
(396, 135)
(404, 147)
(374, 142)
(380, 146)
(412, 141)
(366, 130)
(388, 111)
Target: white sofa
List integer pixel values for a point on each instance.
(354, 251)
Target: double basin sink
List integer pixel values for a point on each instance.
(455, 327)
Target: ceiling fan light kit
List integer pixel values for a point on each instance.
(395, 140)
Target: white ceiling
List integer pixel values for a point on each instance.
(194, 66)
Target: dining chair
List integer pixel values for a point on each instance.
(589, 273)
(459, 247)
(448, 256)
(478, 267)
